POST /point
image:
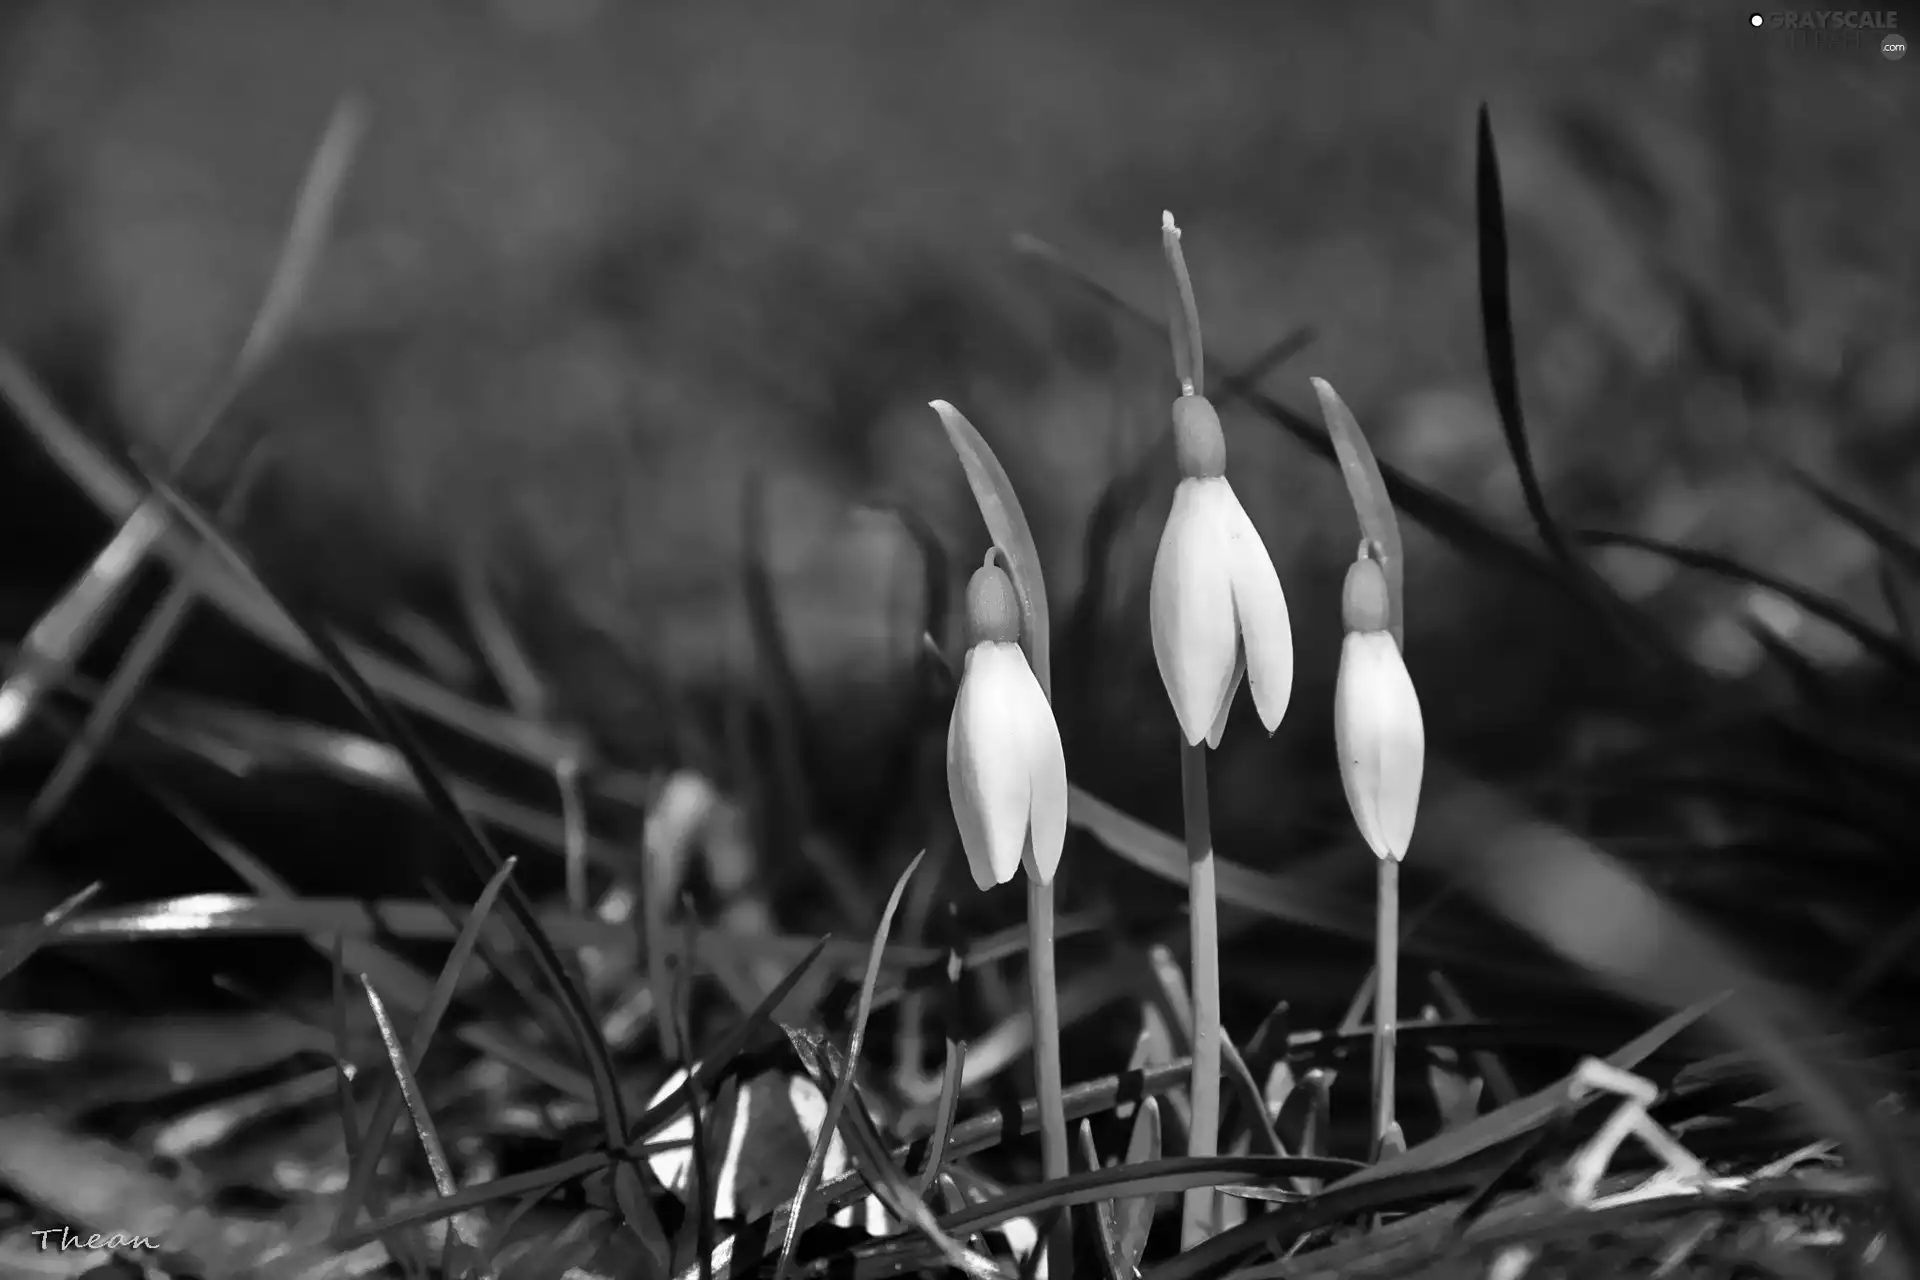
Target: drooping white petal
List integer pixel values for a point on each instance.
(989, 776)
(1381, 740)
(1226, 704)
(1190, 603)
(1260, 608)
(1047, 765)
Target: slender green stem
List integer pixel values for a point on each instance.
(1386, 1000)
(1198, 1214)
(1046, 1066)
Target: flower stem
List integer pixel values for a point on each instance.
(1203, 1135)
(1386, 1000)
(1046, 1066)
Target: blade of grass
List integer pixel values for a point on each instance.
(387, 1102)
(1283, 898)
(545, 1180)
(1133, 1215)
(406, 1245)
(1897, 545)
(944, 1112)
(416, 1101)
(838, 1100)
(1496, 318)
(1887, 648)
(1104, 1229)
(59, 638)
(149, 646)
(789, 722)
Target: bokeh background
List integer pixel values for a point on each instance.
(602, 272)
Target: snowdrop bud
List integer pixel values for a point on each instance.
(1363, 597)
(1198, 445)
(1006, 770)
(1377, 726)
(993, 610)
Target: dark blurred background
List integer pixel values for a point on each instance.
(600, 269)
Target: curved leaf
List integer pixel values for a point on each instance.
(1371, 505)
(1007, 525)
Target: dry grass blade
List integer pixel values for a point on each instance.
(21, 948)
(407, 1246)
(416, 1102)
(838, 1101)
(387, 1103)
